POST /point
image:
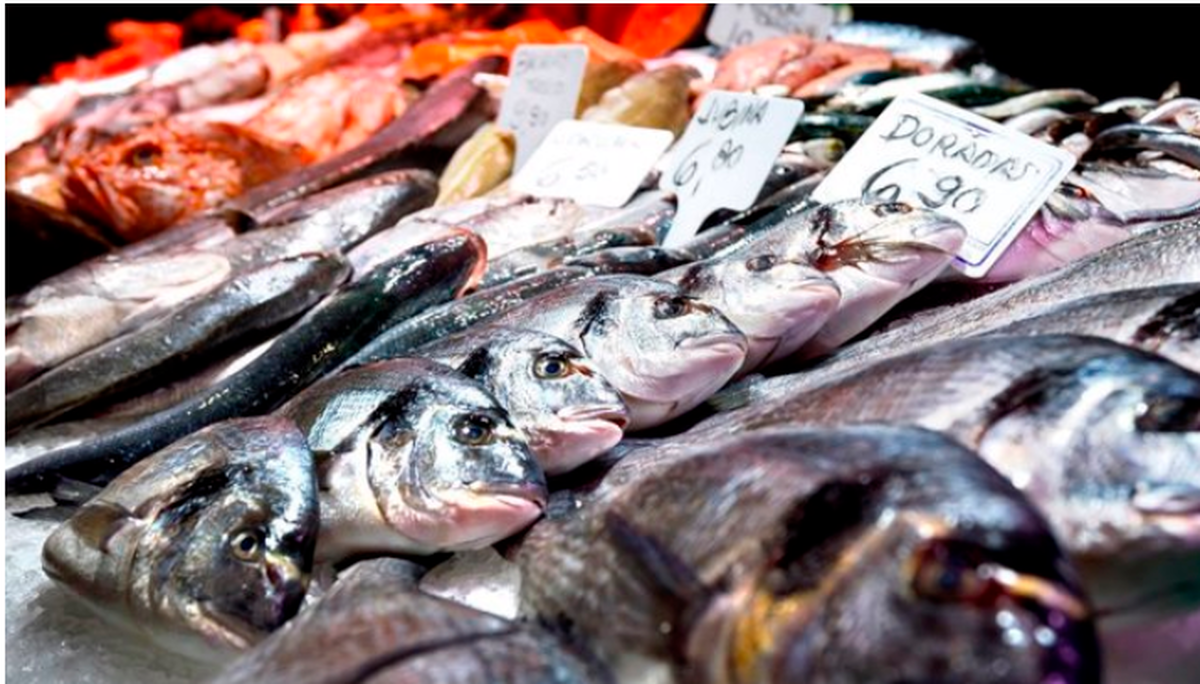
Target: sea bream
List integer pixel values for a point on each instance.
(203, 548)
(554, 395)
(414, 458)
(864, 554)
(1104, 440)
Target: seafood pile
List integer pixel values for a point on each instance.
(307, 393)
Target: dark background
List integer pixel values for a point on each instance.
(1109, 50)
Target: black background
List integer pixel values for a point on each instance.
(1109, 50)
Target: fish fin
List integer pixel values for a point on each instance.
(98, 522)
(735, 396)
(681, 594)
(56, 514)
(74, 493)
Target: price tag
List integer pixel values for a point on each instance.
(724, 156)
(736, 25)
(543, 89)
(930, 154)
(592, 163)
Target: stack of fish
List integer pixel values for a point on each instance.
(798, 448)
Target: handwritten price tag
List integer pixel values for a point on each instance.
(543, 89)
(930, 154)
(724, 156)
(592, 163)
(736, 25)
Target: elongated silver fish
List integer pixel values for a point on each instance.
(414, 458)
(205, 547)
(1104, 439)
(554, 395)
(865, 554)
(663, 351)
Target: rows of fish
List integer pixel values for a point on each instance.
(479, 436)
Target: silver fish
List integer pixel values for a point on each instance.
(663, 351)
(414, 458)
(554, 395)
(203, 548)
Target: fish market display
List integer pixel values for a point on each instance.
(307, 381)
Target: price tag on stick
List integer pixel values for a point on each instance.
(592, 163)
(936, 156)
(543, 89)
(736, 25)
(724, 156)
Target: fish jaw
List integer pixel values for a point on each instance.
(671, 385)
(478, 517)
(1051, 240)
(792, 315)
(575, 435)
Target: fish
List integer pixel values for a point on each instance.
(312, 346)
(663, 351)
(141, 182)
(543, 256)
(878, 254)
(650, 99)
(1140, 136)
(205, 547)
(1061, 99)
(479, 165)
(778, 303)
(1104, 440)
(554, 395)
(414, 458)
(798, 65)
(941, 51)
(241, 307)
(398, 634)
(60, 240)
(866, 553)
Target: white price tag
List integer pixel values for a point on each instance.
(724, 156)
(930, 154)
(736, 25)
(592, 163)
(543, 89)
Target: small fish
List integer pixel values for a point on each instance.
(663, 351)
(1062, 99)
(414, 458)
(939, 50)
(392, 632)
(1139, 136)
(554, 395)
(865, 554)
(314, 345)
(205, 547)
(543, 256)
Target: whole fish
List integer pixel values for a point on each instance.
(414, 458)
(1169, 140)
(778, 303)
(316, 344)
(877, 254)
(853, 555)
(1104, 439)
(242, 306)
(205, 547)
(663, 351)
(937, 49)
(392, 632)
(554, 395)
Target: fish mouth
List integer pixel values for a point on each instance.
(510, 494)
(576, 435)
(223, 630)
(616, 414)
(723, 344)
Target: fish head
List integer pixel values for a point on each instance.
(556, 397)
(663, 351)
(448, 469)
(207, 546)
(778, 303)
(1110, 451)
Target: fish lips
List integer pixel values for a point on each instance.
(483, 513)
(575, 435)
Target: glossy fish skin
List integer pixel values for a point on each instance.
(544, 256)
(1104, 439)
(859, 554)
(877, 254)
(205, 547)
(414, 458)
(935, 48)
(391, 631)
(779, 304)
(663, 351)
(554, 395)
(314, 345)
(244, 305)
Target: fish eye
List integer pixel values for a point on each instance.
(761, 263)
(246, 545)
(1169, 414)
(552, 366)
(1073, 191)
(670, 307)
(889, 208)
(145, 154)
(474, 429)
(945, 574)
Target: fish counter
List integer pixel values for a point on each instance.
(580, 344)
